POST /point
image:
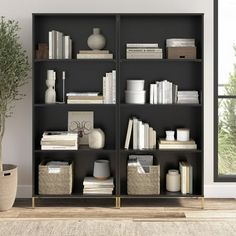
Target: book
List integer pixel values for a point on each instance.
(85, 101)
(94, 56)
(113, 90)
(144, 50)
(151, 98)
(134, 55)
(135, 133)
(177, 146)
(59, 45)
(56, 147)
(85, 97)
(128, 134)
(176, 142)
(142, 45)
(154, 139)
(52, 44)
(140, 135)
(146, 135)
(83, 94)
(67, 48)
(151, 143)
(183, 176)
(94, 51)
(92, 181)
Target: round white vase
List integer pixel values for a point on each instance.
(96, 41)
(173, 181)
(96, 139)
(101, 169)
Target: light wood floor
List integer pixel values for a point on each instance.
(137, 210)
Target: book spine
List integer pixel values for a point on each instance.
(94, 56)
(142, 45)
(113, 86)
(187, 179)
(50, 47)
(151, 98)
(154, 139)
(135, 133)
(183, 177)
(66, 40)
(140, 135)
(104, 89)
(144, 50)
(150, 133)
(190, 179)
(109, 87)
(146, 136)
(155, 94)
(59, 45)
(128, 134)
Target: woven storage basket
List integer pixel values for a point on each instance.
(55, 180)
(144, 184)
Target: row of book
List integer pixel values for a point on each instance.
(144, 136)
(59, 45)
(188, 97)
(59, 140)
(94, 54)
(97, 186)
(163, 92)
(186, 175)
(166, 144)
(143, 51)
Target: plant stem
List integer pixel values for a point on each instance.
(2, 129)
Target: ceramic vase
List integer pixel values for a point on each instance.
(173, 181)
(96, 41)
(101, 169)
(96, 139)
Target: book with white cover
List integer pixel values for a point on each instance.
(128, 134)
(140, 135)
(83, 94)
(113, 91)
(149, 55)
(146, 135)
(52, 44)
(91, 181)
(151, 144)
(177, 146)
(80, 101)
(94, 56)
(50, 47)
(164, 141)
(109, 82)
(59, 47)
(94, 51)
(67, 53)
(142, 45)
(144, 50)
(183, 174)
(155, 94)
(135, 133)
(158, 91)
(104, 89)
(154, 138)
(54, 147)
(151, 98)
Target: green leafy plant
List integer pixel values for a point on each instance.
(14, 68)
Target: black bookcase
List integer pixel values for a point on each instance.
(86, 75)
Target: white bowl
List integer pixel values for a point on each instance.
(135, 97)
(135, 85)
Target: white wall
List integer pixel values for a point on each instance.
(18, 139)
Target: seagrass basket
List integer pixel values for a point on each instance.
(55, 180)
(144, 183)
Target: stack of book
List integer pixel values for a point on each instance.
(144, 136)
(186, 175)
(60, 46)
(109, 88)
(143, 51)
(84, 98)
(163, 92)
(188, 97)
(97, 186)
(180, 42)
(59, 140)
(166, 144)
(94, 54)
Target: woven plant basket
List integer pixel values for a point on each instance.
(144, 184)
(55, 180)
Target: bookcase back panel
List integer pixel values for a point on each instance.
(56, 119)
(153, 28)
(78, 27)
(163, 118)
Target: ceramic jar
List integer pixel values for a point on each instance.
(96, 41)
(173, 181)
(101, 169)
(96, 139)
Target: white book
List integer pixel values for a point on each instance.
(150, 133)
(94, 56)
(52, 44)
(135, 133)
(69, 101)
(140, 135)
(109, 87)
(144, 56)
(66, 51)
(183, 173)
(104, 90)
(114, 86)
(146, 136)
(128, 134)
(144, 50)
(177, 146)
(59, 47)
(94, 51)
(47, 147)
(161, 92)
(83, 94)
(70, 49)
(93, 181)
(158, 91)
(50, 47)
(142, 45)
(154, 139)
(155, 94)
(151, 98)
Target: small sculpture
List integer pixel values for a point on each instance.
(96, 139)
(50, 94)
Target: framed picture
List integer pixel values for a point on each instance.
(82, 123)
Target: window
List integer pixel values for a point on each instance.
(225, 91)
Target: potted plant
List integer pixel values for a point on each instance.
(14, 68)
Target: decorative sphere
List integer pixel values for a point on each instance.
(96, 139)
(96, 41)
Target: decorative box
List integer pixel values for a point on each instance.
(181, 53)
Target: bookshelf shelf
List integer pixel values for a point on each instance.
(87, 75)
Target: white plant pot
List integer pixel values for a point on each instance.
(8, 186)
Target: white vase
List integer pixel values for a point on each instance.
(96, 41)
(96, 139)
(173, 181)
(101, 169)
(50, 93)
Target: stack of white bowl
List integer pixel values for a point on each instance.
(135, 93)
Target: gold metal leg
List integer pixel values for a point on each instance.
(33, 202)
(117, 202)
(202, 203)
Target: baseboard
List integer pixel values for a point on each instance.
(24, 191)
(218, 190)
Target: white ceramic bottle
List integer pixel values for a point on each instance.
(96, 41)
(173, 181)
